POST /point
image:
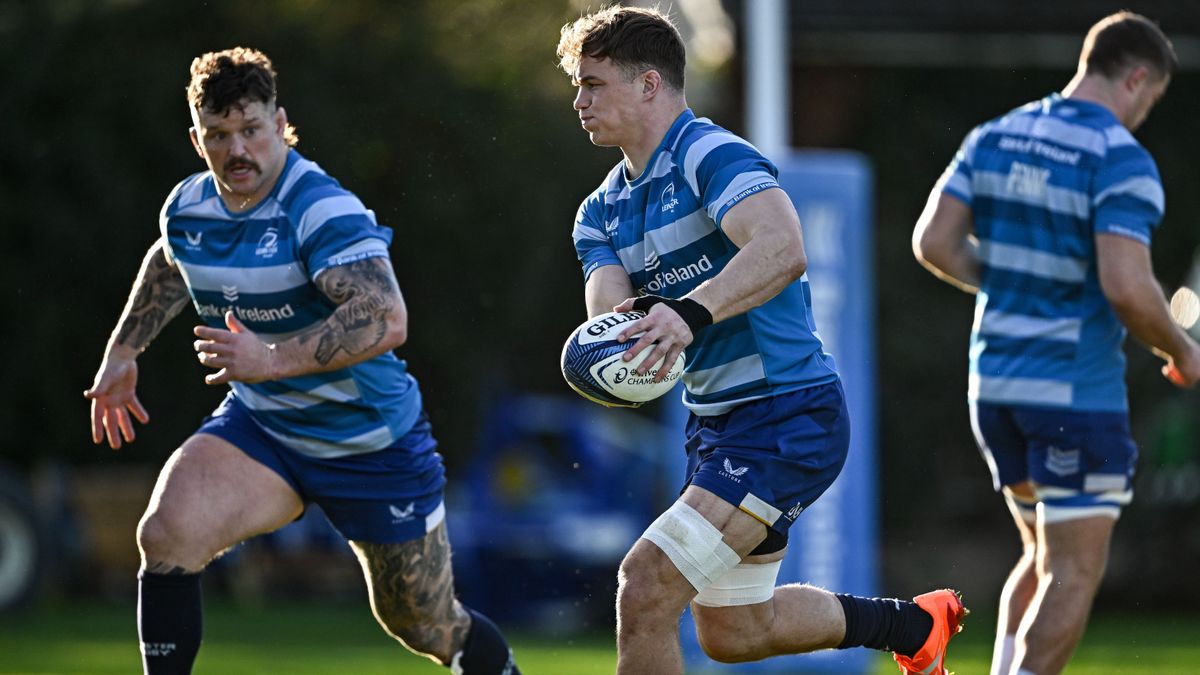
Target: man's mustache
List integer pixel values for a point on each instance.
(240, 163)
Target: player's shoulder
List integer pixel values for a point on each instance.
(701, 136)
(1022, 116)
(607, 191)
(304, 184)
(301, 176)
(189, 192)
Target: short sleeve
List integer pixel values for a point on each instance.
(1128, 195)
(170, 207)
(592, 245)
(956, 179)
(723, 169)
(334, 228)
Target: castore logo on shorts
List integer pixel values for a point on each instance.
(733, 474)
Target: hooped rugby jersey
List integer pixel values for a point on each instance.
(664, 229)
(261, 264)
(1041, 182)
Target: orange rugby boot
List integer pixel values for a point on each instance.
(947, 609)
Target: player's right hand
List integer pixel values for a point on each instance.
(114, 399)
(1184, 373)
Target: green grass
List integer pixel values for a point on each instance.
(1115, 644)
(304, 639)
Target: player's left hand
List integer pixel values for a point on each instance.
(238, 353)
(666, 335)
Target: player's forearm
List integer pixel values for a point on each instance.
(944, 242)
(1143, 309)
(158, 295)
(370, 319)
(961, 272)
(955, 261)
(605, 288)
(757, 273)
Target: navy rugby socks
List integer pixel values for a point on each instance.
(170, 620)
(485, 651)
(883, 623)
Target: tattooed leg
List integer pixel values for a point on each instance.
(412, 593)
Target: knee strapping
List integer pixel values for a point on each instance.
(743, 585)
(694, 545)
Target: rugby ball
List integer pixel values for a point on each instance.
(592, 364)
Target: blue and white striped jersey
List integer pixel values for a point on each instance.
(663, 228)
(1041, 182)
(261, 265)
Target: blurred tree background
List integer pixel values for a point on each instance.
(450, 119)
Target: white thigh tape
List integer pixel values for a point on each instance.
(693, 544)
(742, 585)
(1061, 505)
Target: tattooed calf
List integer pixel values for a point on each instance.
(412, 592)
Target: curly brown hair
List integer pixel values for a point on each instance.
(637, 39)
(225, 80)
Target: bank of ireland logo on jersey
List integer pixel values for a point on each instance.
(652, 261)
(230, 293)
(669, 200)
(268, 244)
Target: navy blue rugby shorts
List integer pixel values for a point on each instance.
(772, 457)
(387, 496)
(1071, 450)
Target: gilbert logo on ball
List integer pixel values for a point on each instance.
(592, 364)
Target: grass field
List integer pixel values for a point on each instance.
(310, 639)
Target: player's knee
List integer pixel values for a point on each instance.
(162, 539)
(156, 536)
(639, 585)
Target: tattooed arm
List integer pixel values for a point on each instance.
(158, 295)
(370, 319)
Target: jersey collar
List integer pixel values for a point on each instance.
(665, 145)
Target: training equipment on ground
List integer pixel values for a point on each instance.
(592, 364)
